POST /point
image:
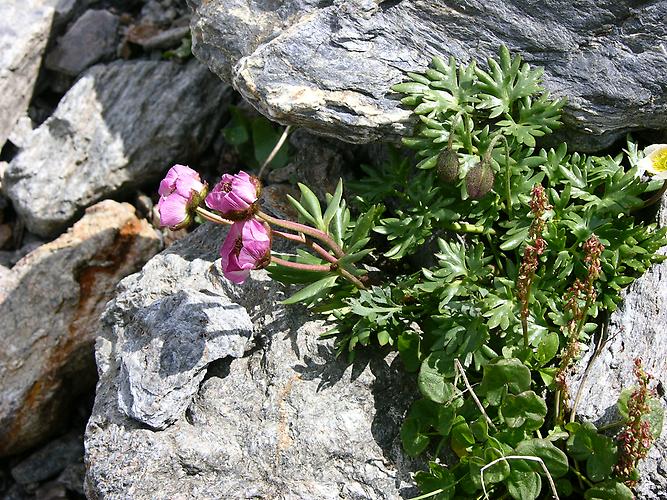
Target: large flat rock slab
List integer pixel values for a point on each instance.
(49, 311)
(329, 66)
(286, 421)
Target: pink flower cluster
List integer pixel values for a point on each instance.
(248, 242)
(180, 190)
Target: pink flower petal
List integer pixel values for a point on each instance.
(173, 209)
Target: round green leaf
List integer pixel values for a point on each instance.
(524, 485)
(413, 438)
(609, 490)
(555, 460)
(432, 383)
(525, 410)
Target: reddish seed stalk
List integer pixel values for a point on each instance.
(636, 438)
(531, 254)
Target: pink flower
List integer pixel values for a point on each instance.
(235, 196)
(247, 247)
(180, 190)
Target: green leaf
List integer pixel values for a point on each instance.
(432, 383)
(554, 459)
(236, 131)
(438, 477)
(310, 202)
(599, 451)
(264, 139)
(609, 490)
(334, 205)
(446, 417)
(302, 211)
(523, 484)
(525, 410)
(312, 290)
(413, 437)
(502, 374)
(408, 349)
(547, 348)
(461, 437)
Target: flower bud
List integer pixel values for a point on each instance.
(479, 180)
(180, 191)
(448, 165)
(235, 196)
(247, 247)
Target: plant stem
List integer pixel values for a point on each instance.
(350, 277)
(210, 216)
(302, 267)
(459, 367)
(274, 151)
(598, 349)
(302, 228)
(611, 425)
(508, 175)
(581, 477)
(309, 243)
(656, 197)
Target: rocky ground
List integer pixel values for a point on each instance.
(99, 98)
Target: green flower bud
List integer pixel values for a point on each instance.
(479, 181)
(448, 165)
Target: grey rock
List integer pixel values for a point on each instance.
(288, 420)
(49, 461)
(636, 330)
(90, 39)
(166, 39)
(49, 314)
(154, 13)
(330, 65)
(73, 476)
(24, 32)
(166, 348)
(121, 125)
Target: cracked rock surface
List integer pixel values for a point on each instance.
(329, 66)
(92, 148)
(286, 420)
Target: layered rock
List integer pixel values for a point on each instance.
(636, 330)
(286, 420)
(329, 66)
(49, 311)
(24, 33)
(121, 125)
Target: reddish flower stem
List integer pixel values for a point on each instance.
(309, 243)
(210, 216)
(303, 267)
(302, 228)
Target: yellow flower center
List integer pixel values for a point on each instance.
(660, 161)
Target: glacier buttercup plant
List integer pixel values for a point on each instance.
(654, 161)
